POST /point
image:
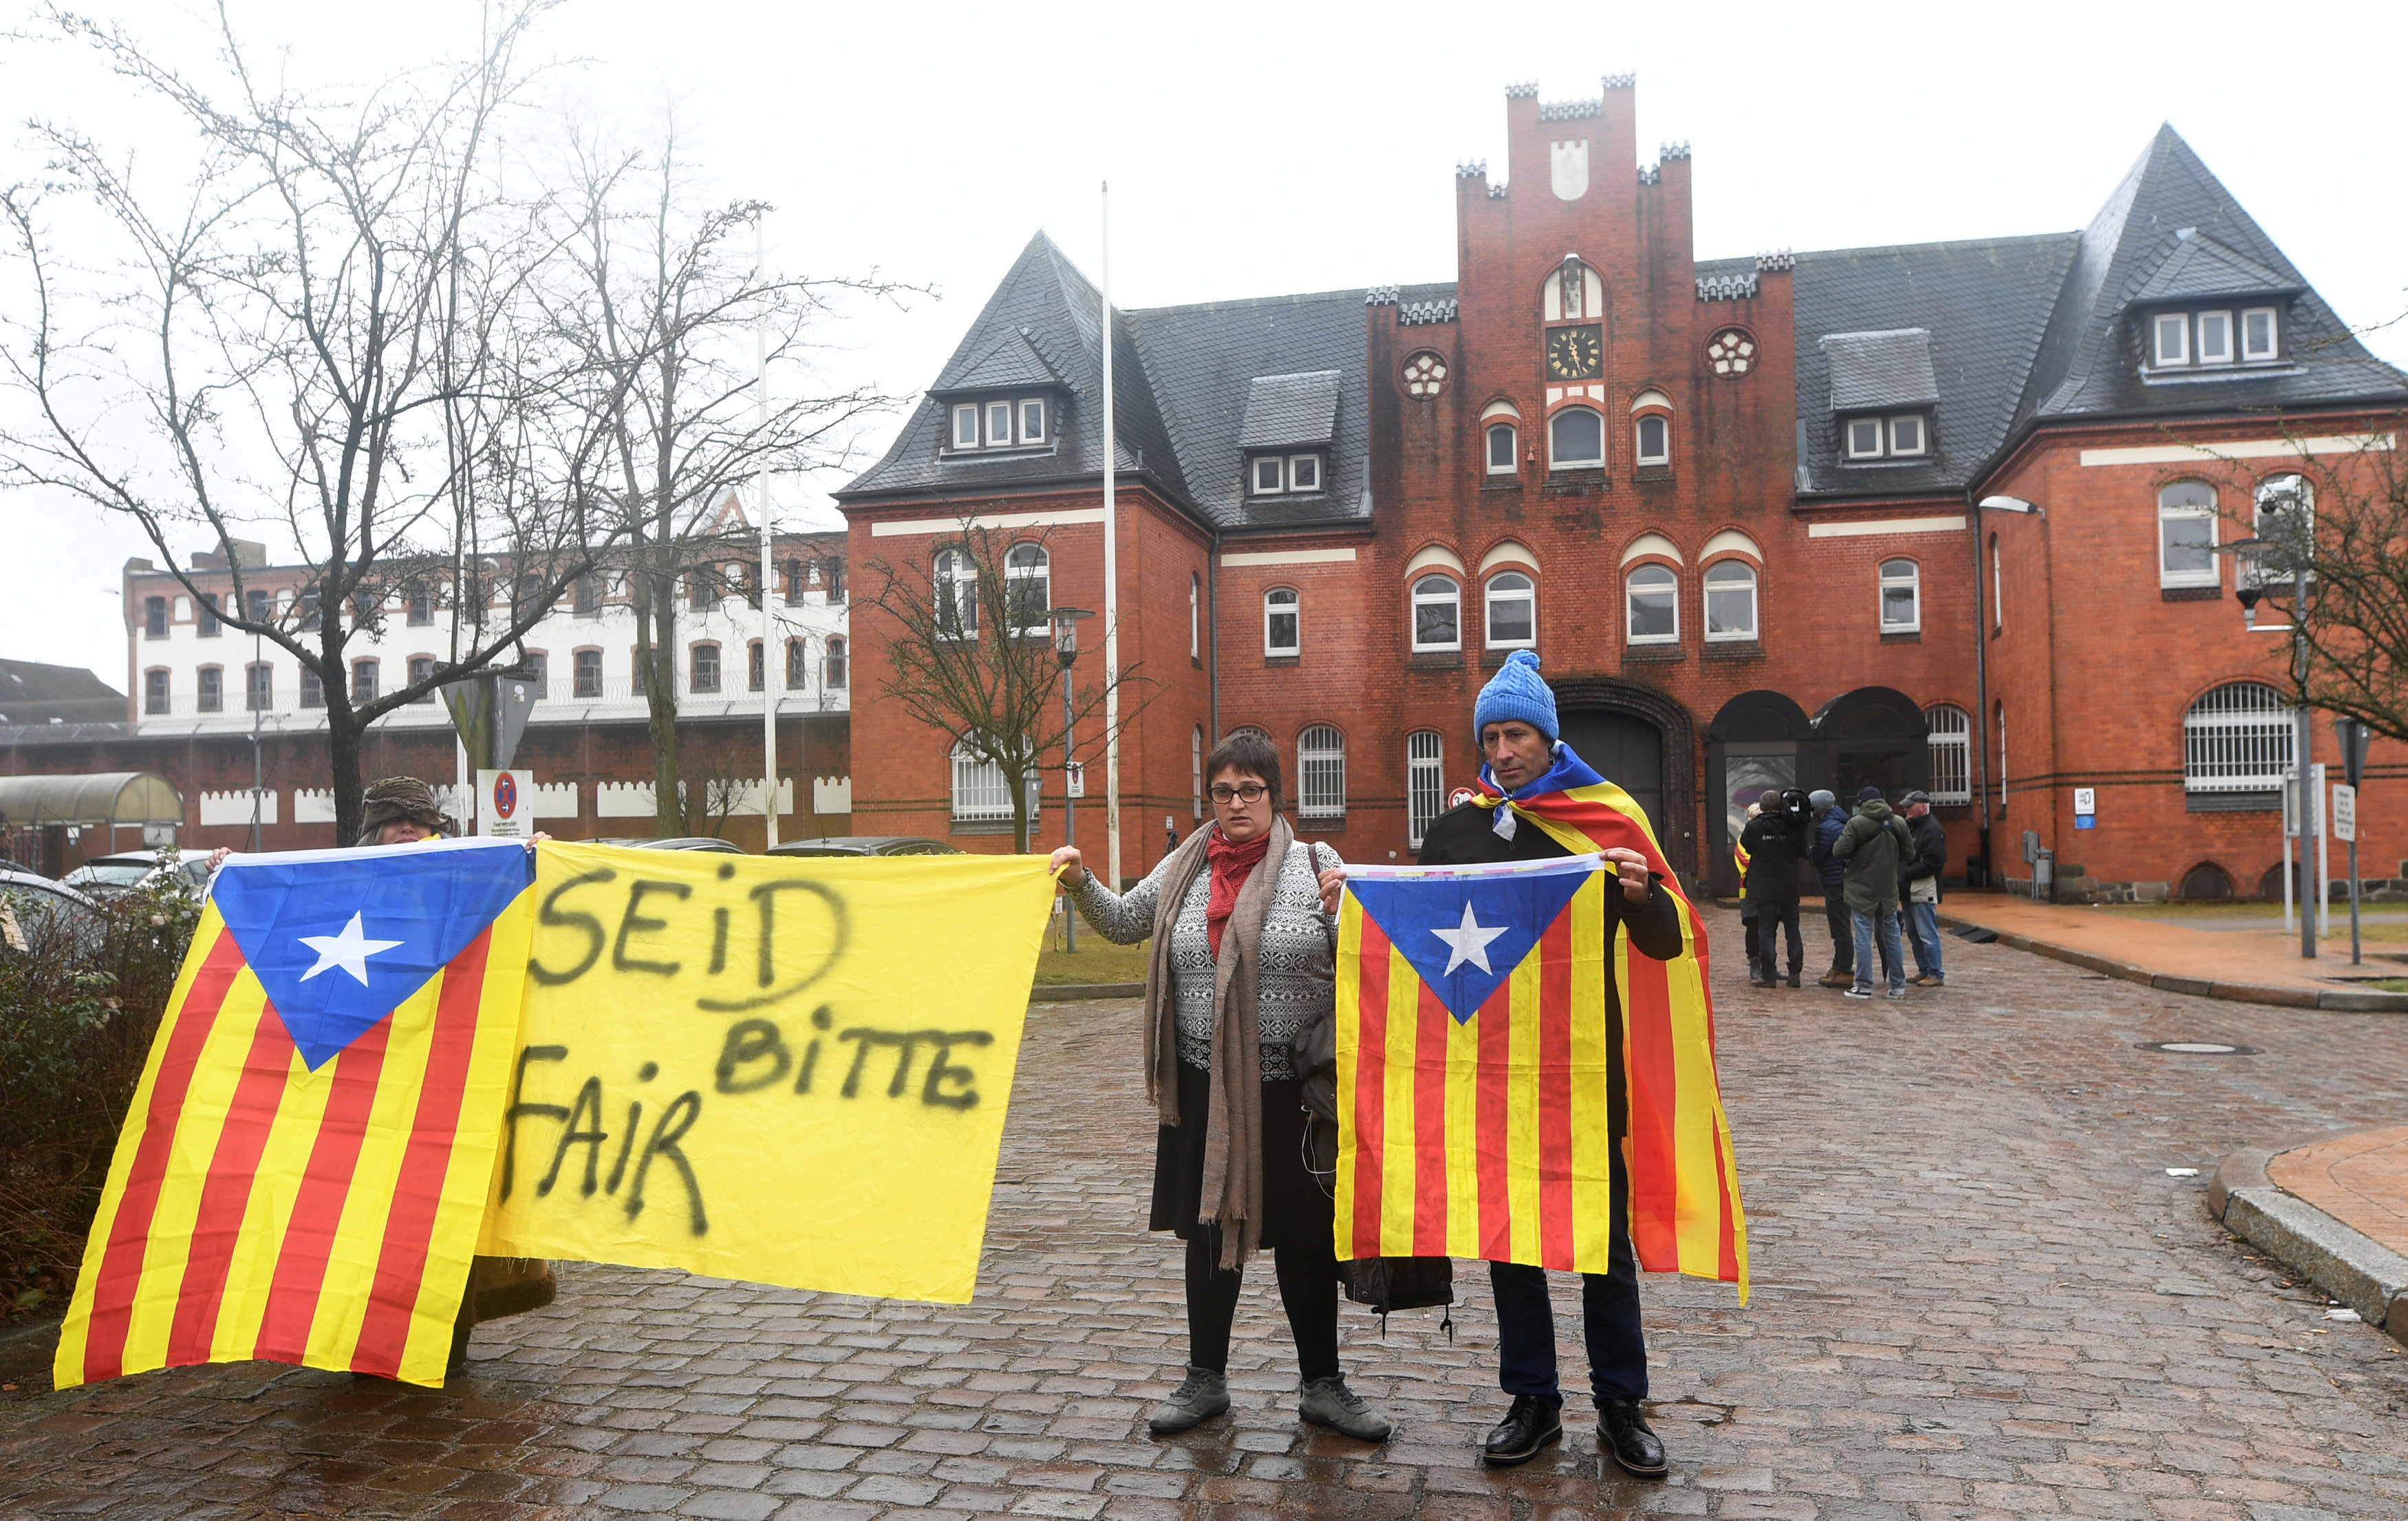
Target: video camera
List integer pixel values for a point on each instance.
(1793, 803)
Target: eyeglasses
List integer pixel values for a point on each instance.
(1249, 792)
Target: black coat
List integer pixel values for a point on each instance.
(1466, 835)
(1930, 857)
(1775, 844)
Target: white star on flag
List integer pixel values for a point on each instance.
(1469, 941)
(349, 950)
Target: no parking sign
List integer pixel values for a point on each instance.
(506, 804)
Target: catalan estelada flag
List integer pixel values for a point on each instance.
(1472, 1058)
(305, 1164)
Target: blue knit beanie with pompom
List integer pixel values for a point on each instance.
(1517, 691)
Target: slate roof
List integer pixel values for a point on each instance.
(34, 694)
(1994, 334)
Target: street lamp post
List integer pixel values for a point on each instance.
(2308, 804)
(1065, 649)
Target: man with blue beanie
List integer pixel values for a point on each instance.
(1514, 722)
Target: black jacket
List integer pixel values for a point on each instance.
(1466, 835)
(1775, 844)
(1930, 857)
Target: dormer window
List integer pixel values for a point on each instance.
(2203, 339)
(2258, 333)
(1291, 475)
(1009, 422)
(1897, 436)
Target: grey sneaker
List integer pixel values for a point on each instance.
(1327, 1401)
(1898, 992)
(1202, 1394)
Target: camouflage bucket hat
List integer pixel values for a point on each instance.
(402, 797)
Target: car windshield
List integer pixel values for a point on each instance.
(111, 873)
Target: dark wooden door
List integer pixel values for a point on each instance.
(1626, 751)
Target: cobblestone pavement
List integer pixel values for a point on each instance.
(1978, 1293)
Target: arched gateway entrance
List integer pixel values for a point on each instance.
(1640, 740)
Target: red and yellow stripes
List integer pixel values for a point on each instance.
(256, 1209)
(1485, 1139)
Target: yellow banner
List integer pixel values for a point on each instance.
(792, 1071)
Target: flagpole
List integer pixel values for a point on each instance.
(769, 677)
(1111, 585)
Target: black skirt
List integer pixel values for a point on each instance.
(1295, 1210)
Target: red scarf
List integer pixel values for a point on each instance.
(1231, 865)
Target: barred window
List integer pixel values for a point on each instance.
(1321, 773)
(313, 690)
(702, 674)
(1425, 783)
(1195, 771)
(589, 673)
(422, 667)
(2237, 739)
(363, 683)
(1952, 753)
(212, 688)
(979, 789)
(154, 692)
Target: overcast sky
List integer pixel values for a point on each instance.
(1261, 149)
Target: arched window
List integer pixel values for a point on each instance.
(1438, 614)
(1195, 771)
(954, 595)
(1653, 440)
(259, 687)
(154, 690)
(756, 666)
(979, 792)
(585, 671)
(212, 689)
(702, 671)
(1504, 449)
(1425, 783)
(2286, 521)
(1731, 602)
(1320, 773)
(1901, 597)
(2237, 739)
(1952, 753)
(363, 683)
(1512, 610)
(799, 665)
(1028, 590)
(1575, 440)
(1653, 598)
(1281, 613)
(2187, 535)
(833, 664)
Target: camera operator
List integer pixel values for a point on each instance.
(1775, 842)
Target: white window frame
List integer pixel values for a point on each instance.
(2231, 339)
(578, 667)
(1912, 581)
(1194, 616)
(1672, 593)
(834, 673)
(994, 408)
(2169, 324)
(954, 584)
(1299, 466)
(1640, 452)
(978, 793)
(1292, 610)
(1423, 596)
(1951, 759)
(1425, 783)
(1556, 462)
(1754, 601)
(1031, 408)
(1527, 594)
(2213, 574)
(1922, 436)
(158, 690)
(1320, 773)
(208, 689)
(1195, 771)
(2238, 737)
(1880, 435)
(1513, 432)
(1040, 570)
(2274, 348)
(1254, 486)
(965, 425)
(361, 696)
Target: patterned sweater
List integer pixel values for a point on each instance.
(1297, 973)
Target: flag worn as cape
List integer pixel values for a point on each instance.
(1684, 1205)
(305, 1162)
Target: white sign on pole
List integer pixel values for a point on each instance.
(1078, 772)
(2086, 799)
(2344, 812)
(506, 804)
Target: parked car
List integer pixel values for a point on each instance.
(105, 875)
(682, 843)
(866, 845)
(39, 907)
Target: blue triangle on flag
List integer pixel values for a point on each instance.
(1465, 935)
(341, 939)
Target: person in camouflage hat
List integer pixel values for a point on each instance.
(402, 809)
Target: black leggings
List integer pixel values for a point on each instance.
(1307, 1283)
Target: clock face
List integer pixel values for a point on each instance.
(1576, 353)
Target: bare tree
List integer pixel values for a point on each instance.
(2343, 519)
(971, 653)
(327, 329)
(674, 316)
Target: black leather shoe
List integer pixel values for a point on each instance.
(1623, 1432)
(1530, 1425)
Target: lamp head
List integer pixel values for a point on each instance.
(2248, 596)
(1066, 634)
(2010, 504)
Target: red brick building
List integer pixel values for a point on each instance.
(1732, 503)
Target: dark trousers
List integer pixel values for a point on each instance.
(1308, 1284)
(1777, 916)
(1844, 931)
(1526, 1328)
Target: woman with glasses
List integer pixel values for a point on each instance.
(1243, 918)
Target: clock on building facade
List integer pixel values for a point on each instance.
(1576, 353)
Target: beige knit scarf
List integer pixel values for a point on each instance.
(1233, 1130)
